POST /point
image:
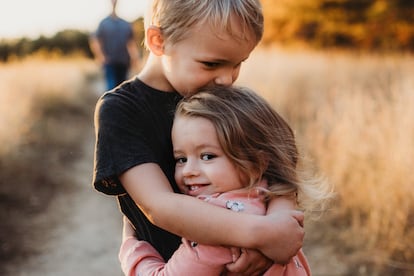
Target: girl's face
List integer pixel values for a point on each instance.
(201, 168)
(203, 58)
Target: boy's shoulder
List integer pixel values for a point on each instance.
(136, 95)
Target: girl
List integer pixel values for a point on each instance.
(234, 151)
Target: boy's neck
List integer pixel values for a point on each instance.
(152, 75)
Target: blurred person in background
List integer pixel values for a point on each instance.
(114, 47)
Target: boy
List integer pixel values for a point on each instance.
(193, 44)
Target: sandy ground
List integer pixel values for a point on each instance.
(85, 226)
(87, 231)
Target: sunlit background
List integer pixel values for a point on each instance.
(45, 17)
(340, 71)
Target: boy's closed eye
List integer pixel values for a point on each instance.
(210, 65)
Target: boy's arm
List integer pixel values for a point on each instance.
(180, 214)
(252, 262)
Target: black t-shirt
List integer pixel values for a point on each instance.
(133, 126)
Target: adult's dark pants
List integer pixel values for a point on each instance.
(115, 74)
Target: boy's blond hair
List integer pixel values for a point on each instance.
(175, 18)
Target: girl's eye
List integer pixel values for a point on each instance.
(180, 160)
(207, 156)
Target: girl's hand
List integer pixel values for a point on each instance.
(248, 262)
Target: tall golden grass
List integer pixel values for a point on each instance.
(29, 83)
(354, 115)
(46, 106)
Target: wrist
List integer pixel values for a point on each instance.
(257, 232)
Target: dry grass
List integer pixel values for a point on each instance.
(45, 106)
(354, 115)
(27, 84)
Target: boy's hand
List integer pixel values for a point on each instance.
(287, 238)
(248, 262)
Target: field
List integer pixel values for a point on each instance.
(352, 113)
(45, 111)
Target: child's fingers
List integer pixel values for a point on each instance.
(235, 253)
(250, 262)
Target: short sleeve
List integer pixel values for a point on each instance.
(121, 142)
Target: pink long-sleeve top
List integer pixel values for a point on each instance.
(139, 258)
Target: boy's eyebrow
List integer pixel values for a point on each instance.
(219, 60)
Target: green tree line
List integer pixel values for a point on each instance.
(66, 42)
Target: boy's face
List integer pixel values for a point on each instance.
(201, 167)
(204, 58)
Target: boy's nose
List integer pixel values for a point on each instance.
(226, 77)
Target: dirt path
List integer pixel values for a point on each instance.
(86, 239)
(86, 228)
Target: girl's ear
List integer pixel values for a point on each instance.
(155, 40)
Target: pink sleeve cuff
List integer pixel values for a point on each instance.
(133, 251)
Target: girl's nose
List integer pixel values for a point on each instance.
(190, 169)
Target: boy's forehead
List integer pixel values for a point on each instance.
(234, 30)
(219, 46)
(235, 27)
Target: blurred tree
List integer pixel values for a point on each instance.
(5, 50)
(366, 24)
(70, 41)
(37, 44)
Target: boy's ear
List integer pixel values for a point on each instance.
(155, 40)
